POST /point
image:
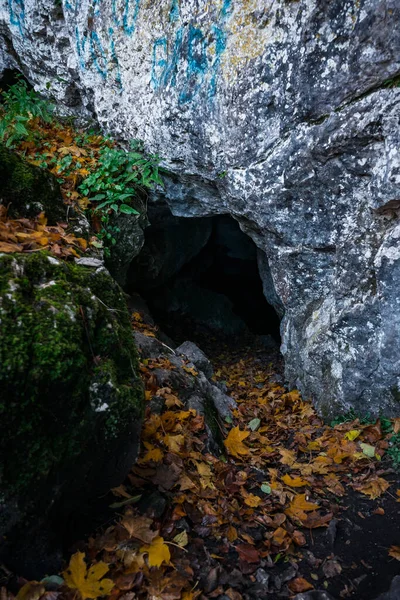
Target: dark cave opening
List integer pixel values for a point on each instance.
(200, 275)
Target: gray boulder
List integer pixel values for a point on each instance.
(197, 357)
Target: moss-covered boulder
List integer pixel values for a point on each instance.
(71, 399)
(28, 190)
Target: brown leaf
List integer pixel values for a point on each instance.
(248, 553)
(139, 527)
(299, 585)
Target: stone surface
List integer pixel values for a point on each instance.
(284, 115)
(197, 357)
(195, 391)
(71, 401)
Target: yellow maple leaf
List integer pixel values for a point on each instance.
(86, 581)
(155, 455)
(295, 482)
(353, 434)
(233, 442)
(158, 552)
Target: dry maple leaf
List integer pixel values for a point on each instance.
(373, 487)
(233, 442)
(288, 456)
(86, 581)
(158, 552)
(139, 527)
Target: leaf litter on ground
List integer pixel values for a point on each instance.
(245, 511)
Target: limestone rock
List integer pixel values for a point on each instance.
(71, 401)
(282, 114)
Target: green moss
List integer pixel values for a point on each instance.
(66, 346)
(27, 189)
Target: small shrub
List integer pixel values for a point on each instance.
(20, 106)
(119, 177)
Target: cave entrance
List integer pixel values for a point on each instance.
(201, 280)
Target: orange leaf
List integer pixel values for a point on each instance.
(299, 585)
(233, 442)
(295, 482)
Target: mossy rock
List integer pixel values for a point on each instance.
(71, 399)
(28, 190)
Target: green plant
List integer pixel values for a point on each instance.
(394, 450)
(20, 105)
(119, 177)
(351, 415)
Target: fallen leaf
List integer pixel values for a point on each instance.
(295, 482)
(158, 552)
(233, 443)
(139, 527)
(373, 487)
(353, 434)
(299, 585)
(88, 582)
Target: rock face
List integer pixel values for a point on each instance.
(71, 400)
(282, 114)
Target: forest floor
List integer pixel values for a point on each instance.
(289, 505)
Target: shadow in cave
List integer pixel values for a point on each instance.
(200, 278)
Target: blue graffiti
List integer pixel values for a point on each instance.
(91, 45)
(114, 58)
(130, 12)
(160, 61)
(81, 48)
(201, 70)
(74, 5)
(98, 55)
(196, 64)
(174, 12)
(226, 8)
(16, 9)
(96, 6)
